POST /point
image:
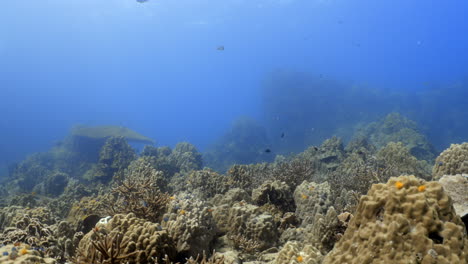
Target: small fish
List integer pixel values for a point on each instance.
(304, 196)
(267, 150)
(182, 212)
(282, 135)
(144, 203)
(220, 48)
(142, 1)
(166, 219)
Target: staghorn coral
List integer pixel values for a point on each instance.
(138, 193)
(451, 161)
(248, 246)
(406, 220)
(106, 249)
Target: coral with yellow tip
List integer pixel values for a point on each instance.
(410, 224)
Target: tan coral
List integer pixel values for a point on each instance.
(148, 239)
(403, 225)
(297, 253)
(451, 161)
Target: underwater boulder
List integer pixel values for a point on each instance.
(99, 132)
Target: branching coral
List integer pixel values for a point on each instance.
(138, 194)
(246, 245)
(106, 249)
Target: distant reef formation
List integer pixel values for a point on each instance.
(397, 128)
(100, 132)
(97, 200)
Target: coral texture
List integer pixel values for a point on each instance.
(138, 240)
(451, 161)
(295, 253)
(406, 220)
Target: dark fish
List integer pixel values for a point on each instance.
(267, 150)
(142, 1)
(282, 135)
(220, 48)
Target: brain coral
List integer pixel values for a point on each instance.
(405, 220)
(451, 161)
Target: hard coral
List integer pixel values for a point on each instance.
(141, 241)
(403, 226)
(138, 194)
(451, 161)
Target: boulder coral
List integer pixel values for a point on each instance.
(451, 161)
(406, 220)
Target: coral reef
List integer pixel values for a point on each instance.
(295, 252)
(311, 198)
(248, 221)
(115, 156)
(183, 159)
(207, 183)
(451, 161)
(276, 193)
(138, 193)
(23, 254)
(397, 128)
(139, 241)
(406, 220)
(360, 169)
(190, 224)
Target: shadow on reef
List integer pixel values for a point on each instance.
(328, 204)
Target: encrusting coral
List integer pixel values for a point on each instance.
(406, 220)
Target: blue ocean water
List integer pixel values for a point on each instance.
(306, 68)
